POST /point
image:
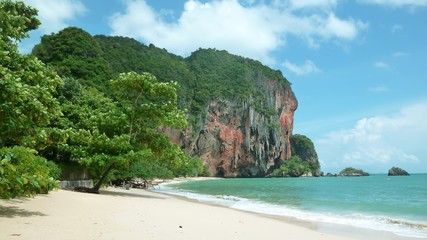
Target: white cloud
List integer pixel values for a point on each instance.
(307, 68)
(346, 29)
(54, 14)
(395, 28)
(400, 54)
(380, 64)
(397, 3)
(379, 89)
(324, 4)
(380, 142)
(252, 29)
(249, 2)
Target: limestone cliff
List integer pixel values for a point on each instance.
(236, 139)
(240, 111)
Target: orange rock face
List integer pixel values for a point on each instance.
(239, 140)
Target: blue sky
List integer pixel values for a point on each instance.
(358, 68)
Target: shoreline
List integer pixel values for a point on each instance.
(336, 229)
(134, 214)
(325, 221)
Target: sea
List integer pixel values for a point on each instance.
(396, 204)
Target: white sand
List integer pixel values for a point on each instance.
(138, 214)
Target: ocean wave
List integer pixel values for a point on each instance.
(398, 226)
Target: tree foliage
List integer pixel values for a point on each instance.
(27, 102)
(17, 20)
(24, 173)
(97, 130)
(27, 108)
(122, 137)
(303, 160)
(293, 167)
(148, 103)
(75, 53)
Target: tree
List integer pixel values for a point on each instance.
(27, 108)
(23, 173)
(293, 167)
(147, 105)
(98, 136)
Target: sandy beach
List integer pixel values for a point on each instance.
(138, 214)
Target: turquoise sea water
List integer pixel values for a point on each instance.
(395, 204)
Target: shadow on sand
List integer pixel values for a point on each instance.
(12, 212)
(127, 194)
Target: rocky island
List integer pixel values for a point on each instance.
(396, 171)
(352, 172)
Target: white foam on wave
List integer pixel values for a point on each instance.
(397, 226)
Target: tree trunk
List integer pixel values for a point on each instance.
(98, 185)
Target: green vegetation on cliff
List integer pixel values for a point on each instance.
(350, 171)
(303, 147)
(304, 159)
(75, 53)
(220, 74)
(126, 54)
(203, 76)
